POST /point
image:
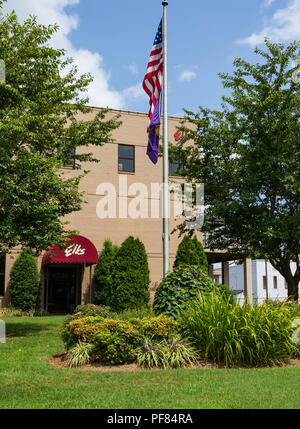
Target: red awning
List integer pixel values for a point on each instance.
(78, 250)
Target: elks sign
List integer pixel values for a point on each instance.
(74, 249)
(78, 250)
(178, 135)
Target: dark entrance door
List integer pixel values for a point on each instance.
(61, 289)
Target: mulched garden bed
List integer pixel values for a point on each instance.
(59, 361)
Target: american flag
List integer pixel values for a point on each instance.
(154, 72)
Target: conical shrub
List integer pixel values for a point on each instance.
(25, 282)
(103, 272)
(129, 282)
(190, 252)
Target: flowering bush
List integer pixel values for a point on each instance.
(80, 329)
(116, 341)
(160, 327)
(93, 310)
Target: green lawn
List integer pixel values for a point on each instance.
(28, 381)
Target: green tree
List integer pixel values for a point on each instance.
(103, 271)
(130, 279)
(39, 129)
(190, 252)
(24, 285)
(247, 156)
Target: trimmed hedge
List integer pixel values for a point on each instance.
(116, 341)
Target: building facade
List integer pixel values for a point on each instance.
(123, 198)
(267, 282)
(123, 195)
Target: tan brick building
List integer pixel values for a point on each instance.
(124, 163)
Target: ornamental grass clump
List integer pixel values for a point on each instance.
(231, 334)
(296, 332)
(80, 354)
(168, 353)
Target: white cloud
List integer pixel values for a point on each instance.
(187, 75)
(53, 11)
(134, 92)
(283, 26)
(268, 3)
(132, 68)
(48, 12)
(99, 92)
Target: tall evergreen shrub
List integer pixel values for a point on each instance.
(190, 252)
(130, 277)
(103, 271)
(25, 282)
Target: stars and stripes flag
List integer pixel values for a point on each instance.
(152, 82)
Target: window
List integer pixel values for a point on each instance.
(285, 284)
(173, 167)
(70, 161)
(126, 158)
(2, 274)
(264, 282)
(275, 282)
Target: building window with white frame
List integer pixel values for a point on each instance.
(70, 160)
(264, 282)
(126, 158)
(173, 168)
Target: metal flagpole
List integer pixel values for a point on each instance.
(165, 149)
(267, 289)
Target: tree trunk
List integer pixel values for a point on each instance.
(292, 288)
(284, 267)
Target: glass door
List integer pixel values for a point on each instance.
(61, 285)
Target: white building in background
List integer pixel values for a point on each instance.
(267, 283)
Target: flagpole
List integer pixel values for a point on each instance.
(165, 149)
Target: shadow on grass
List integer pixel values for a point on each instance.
(37, 326)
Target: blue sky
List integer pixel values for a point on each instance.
(112, 40)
